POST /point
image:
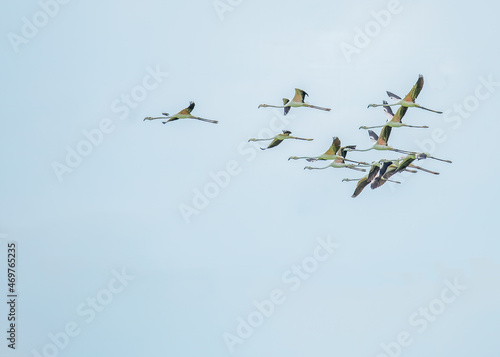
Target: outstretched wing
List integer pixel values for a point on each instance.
(343, 150)
(286, 109)
(373, 172)
(384, 135)
(393, 96)
(405, 163)
(171, 119)
(391, 170)
(384, 167)
(300, 95)
(399, 114)
(332, 150)
(376, 182)
(388, 110)
(187, 110)
(373, 136)
(274, 143)
(415, 91)
(360, 186)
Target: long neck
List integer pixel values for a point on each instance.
(271, 106)
(361, 150)
(316, 168)
(302, 157)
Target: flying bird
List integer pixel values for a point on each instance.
(297, 101)
(339, 162)
(378, 168)
(380, 179)
(409, 100)
(278, 139)
(395, 120)
(401, 165)
(381, 141)
(183, 114)
(331, 154)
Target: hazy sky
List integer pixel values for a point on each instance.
(137, 238)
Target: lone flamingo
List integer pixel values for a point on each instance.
(183, 114)
(278, 139)
(297, 101)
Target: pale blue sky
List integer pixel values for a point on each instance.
(120, 207)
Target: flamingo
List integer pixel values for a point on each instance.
(338, 162)
(407, 162)
(401, 165)
(381, 141)
(278, 139)
(331, 153)
(377, 169)
(183, 114)
(297, 101)
(409, 100)
(395, 120)
(379, 180)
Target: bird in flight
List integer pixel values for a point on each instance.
(278, 139)
(339, 162)
(377, 169)
(381, 141)
(331, 154)
(395, 120)
(401, 165)
(183, 114)
(297, 101)
(409, 100)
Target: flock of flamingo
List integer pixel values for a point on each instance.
(380, 171)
